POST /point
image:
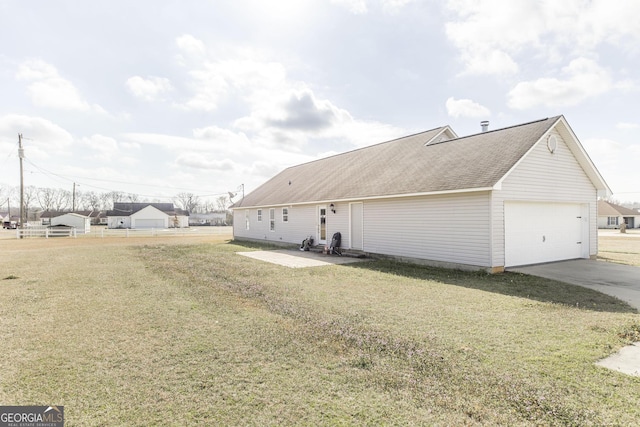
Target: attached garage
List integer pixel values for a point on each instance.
(150, 223)
(545, 232)
(519, 195)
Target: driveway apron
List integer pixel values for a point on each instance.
(620, 281)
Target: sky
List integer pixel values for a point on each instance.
(162, 97)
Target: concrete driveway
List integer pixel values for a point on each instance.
(620, 281)
(298, 259)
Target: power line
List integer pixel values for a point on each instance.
(72, 178)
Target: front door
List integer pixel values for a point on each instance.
(322, 224)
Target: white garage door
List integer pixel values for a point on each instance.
(543, 232)
(149, 223)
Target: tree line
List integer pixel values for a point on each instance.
(59, 200)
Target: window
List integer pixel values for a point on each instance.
(612, 220)
(259, 215)
(285, 214)
(272, 219)
(246, 219)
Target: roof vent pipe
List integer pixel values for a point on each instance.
(485, 125)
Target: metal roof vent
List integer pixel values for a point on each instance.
(485, 125)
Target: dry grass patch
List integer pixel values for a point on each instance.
(623, 249)
(186, 334)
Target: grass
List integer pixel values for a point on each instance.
(185, 332)
(620, 248)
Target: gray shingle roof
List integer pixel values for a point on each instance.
(403, 166)
(611, 209)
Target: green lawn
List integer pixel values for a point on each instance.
(185, 332)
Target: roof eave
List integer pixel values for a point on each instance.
(359, 199)
(583, 158)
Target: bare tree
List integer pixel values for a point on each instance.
(187, 201)
(6, 194)
(133, 198)
(221, 203)
(90, 201)
(30, 193)
(207, 206)
(115, 197)
(61, 200)
(45, 197)
(105, 201)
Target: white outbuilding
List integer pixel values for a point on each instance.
(81, 223)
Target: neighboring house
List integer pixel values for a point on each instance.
(6, 220)
(96, 217)
(146, 215)
(611, 215)
(209, 218)
(520, 195)
(81, 223)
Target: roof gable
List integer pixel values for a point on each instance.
(424, 163)
(149, 210)
(611, 209)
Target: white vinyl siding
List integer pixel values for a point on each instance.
(448, 228)
(149, 217)
(544, 177)
(356, 237)
(302, 222)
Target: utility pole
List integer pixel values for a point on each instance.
(21, 156)
(73, 203)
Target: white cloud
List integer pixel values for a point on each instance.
(190, 45)
(295, 110)
(624, 125)
(584, 79)
(47, 88)
(242, 74)
(360, 7)
(466, 108)
(149, 89)
(489, 61)
(199, 161)
(42, 134)
(104, 148)
(489, 34)
(617, 164)
(357, 7)
(394, 6)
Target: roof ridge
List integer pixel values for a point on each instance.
(555, 118)
(619, 208)
(368, 146)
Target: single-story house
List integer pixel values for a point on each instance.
(96, 217)
(611, 215)
(146, 215)
(9, 221)
(81, 223)
(521, 195)
(209, 218)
